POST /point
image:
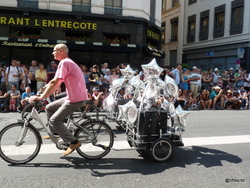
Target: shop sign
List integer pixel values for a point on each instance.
(48, 23)
(153, 35)
(26, 44)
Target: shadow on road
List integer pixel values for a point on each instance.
(180, 158)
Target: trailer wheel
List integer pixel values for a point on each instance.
(161, 149)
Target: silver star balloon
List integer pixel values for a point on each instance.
(151, 70)
(122, 116)
(182, 115)
(127, 73)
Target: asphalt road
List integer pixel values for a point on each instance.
(216, 154)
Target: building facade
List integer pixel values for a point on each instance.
(96, 31)
(215, 35)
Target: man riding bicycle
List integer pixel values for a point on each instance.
(69, 73)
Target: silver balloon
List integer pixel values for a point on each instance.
(127, 73)
(122, 115)
(108, 103)
(132, 112)
(117, 83)
(182, 115)
(151, 70)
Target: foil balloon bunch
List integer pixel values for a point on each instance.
(150, 93)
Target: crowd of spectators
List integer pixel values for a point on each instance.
(198, 89)
(212, 89)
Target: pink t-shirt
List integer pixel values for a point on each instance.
(71, 74)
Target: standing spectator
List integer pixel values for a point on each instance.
(12, 75)
(220, 81)
(207, 79)
(41, 77)
(113, 75)
(51, 70)
(3, 82)
(33, 69)
(27, 75)
(95, 78)
(86, 74)
(176, 74)
(106, 81)
(215, 76)
(105, 68)
(20, 68)
(231, 77)
(195, 78)
(184, 81)
(239, 80)
(216, 96)
(225, 78)
(13, 93)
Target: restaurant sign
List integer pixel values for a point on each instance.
(65, 24)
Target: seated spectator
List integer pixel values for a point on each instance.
(243, 98)
(1, 100)
(237, 104)
(12, 103)
(25, 98)
(97, 97)
(216, 97)
(229, 100)
(191, 101)
(13, 93)
(180, 100)
(204, 98)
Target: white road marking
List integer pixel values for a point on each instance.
(196, 141)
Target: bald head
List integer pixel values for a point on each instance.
(62, 47)
(60, 52)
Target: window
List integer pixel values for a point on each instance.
(237, 17)
(174, 29)
(27, 3)
(113, 7)
(204, 25)
(115, 38)
(219, 21)
(175, 3)
(191, 2)
(191, 28)
(81, 5)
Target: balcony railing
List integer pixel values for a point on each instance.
(113, 11)
(27, 4)
(190, 38)
(81, 8)
(236, 29)
(218, 33)
(203, 35)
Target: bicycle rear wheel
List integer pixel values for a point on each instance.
(19, 153)
(97, 139)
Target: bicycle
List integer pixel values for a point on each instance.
(21, 142)
(88, 110)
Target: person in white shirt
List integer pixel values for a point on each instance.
(176, 74)
(195, 78)
(12, 75)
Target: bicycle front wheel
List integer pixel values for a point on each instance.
(97, 139)
(15, 152)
